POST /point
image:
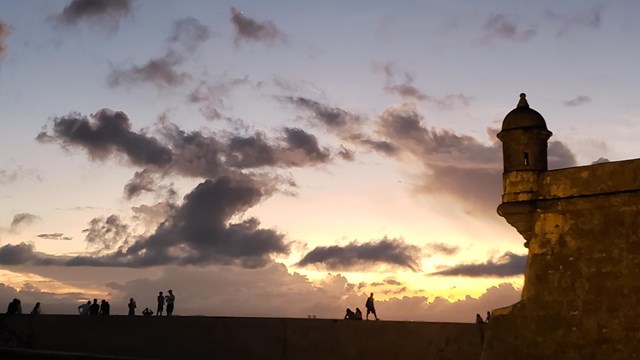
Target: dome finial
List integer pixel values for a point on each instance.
(523, 100)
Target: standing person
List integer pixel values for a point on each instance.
(170, 300)
(160, 304)
(488, 317)
(94, 309)
(132, 307)
(370, 307)
(36, 309)
(84, 308)
(105, 308)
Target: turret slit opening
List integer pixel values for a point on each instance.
(526, 159)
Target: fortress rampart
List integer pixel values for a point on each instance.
(199, 337)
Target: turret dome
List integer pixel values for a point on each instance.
(523, 117)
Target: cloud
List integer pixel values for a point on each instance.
(108, 132)
(333, 118)
(393, 252)
(5, 30)
(577, 101)
(20, 220)
(456, 165)
(248, 29)
(442, 249)
(160, 72)
(213, 96)
(107, 234)
(408, 91)
(303, 148)
(499, 26)
(189, 33)
(592, 19)
(54, 236)
(19, 173)
(106, 11)
(24, 254)
(507, 265)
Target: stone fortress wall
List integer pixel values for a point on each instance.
(199, 337)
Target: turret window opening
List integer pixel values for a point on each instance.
(526, 159)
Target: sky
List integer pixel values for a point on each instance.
(288, 158)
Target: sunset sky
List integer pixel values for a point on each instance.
(287, 158)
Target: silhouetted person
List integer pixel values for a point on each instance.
(480, 324)
(132, 307)
(371, 309)
(170, 299)
(160, 304)
(105, 308)
(94, 309)
(84, 308)
(36, 309)
(350, 315)
(479, 319)
(358, 315)
(147, 312)
(14, 308)
(488, 317)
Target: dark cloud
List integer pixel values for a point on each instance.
(442, 249)
(251, 151)
(600, 160)
(54, 236)
(161, 72)
(248, 29)
(189, 33)
(346, 154)
(5, 30)
(500, 26)
(108, 132)
(22, 219)
(559, 156)
(303, 148)
(577, 101)
(107, 234)
(108, 11)
(24, 254)
(393, 252)
(509, 264)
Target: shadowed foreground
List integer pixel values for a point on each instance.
(236, 338)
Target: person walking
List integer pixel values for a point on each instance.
(371, 309)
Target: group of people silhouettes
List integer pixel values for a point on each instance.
(104, 308)
(357, 315)
(94, 309)
(15, 308)
(479, 318)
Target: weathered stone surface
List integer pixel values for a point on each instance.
(581, 294)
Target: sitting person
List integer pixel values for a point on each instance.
(350, 315)
(147, 312)
(358, 314)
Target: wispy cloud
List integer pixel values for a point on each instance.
(22, 219)
(577, 101)
(54, 236)
(500, 26)
(5, 30)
